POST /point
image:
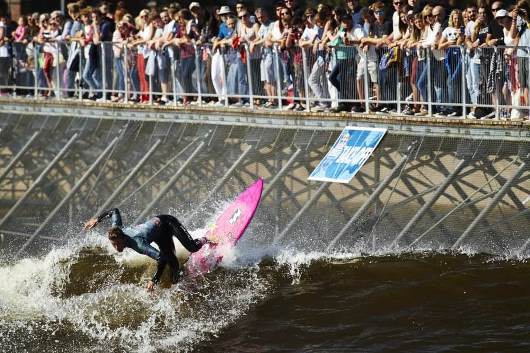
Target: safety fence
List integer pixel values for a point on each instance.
(487, 82)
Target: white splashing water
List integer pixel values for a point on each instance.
(32, 303)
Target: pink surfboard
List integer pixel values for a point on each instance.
(226, 231)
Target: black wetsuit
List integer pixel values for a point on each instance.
(159, 230)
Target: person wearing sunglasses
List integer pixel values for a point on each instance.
(399, 6)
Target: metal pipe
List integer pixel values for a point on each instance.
(198, 70)
(76, 187)
(104, 73)
(19, 155)
(429, 85)
(225, 86)
(426, 206)
(170, 183)
(280, 173)
(303, 210)
(39, 179)
(498, 196)
(249, 78)
(305, 70)
(126, 73)
(278, 76)
(129, 177)
(174, 81)
(58, 71)
(374, 196)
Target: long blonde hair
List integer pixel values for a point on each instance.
(460, 18)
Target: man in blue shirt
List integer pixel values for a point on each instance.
(159, 230)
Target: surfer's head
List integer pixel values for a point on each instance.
(117, 238)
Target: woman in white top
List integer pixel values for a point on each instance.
(145, 22)
(451, 41)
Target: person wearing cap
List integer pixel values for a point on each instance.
(495, 35)
(199, 17)
(236, 78)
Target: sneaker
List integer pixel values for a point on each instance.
(472, 116)
(319, 107)
(452, 114)
(488, 116)
(421, 113)
(291, 106)
(383, 111)
(407, 111)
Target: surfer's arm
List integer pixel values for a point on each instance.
(114, 214)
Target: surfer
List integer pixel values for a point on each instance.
(159, 230)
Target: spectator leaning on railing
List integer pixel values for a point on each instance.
(415, 57)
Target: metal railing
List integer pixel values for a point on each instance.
(490, 82)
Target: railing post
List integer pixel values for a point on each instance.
(126, 73)
(398, 88)
(36, 70)
(306, 78)
(366, 86)
(429, 84)
(173, 67)
(103, 73)
(276, 57)
(464, 59)
(58, 71)
(199, 78)
(81, 68)
(150, 86)
(249, 77)
(528, 81)
(223, 74)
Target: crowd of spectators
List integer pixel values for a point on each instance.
(411, 57)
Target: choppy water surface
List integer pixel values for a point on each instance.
(83, 297)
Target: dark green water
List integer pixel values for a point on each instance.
(84, 298)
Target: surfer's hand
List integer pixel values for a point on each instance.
(91, 223)
(150, 286)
